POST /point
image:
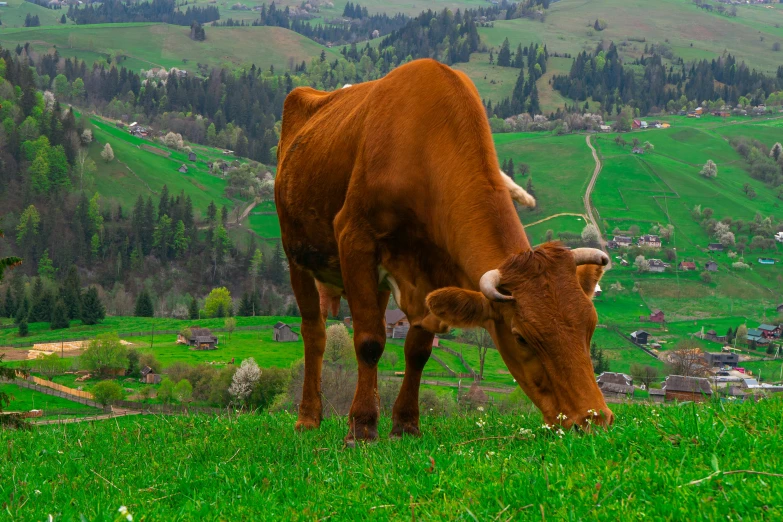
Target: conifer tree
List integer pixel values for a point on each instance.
(193, 309)
(504, 56)
(9, 305)
(71, 293)
(144, 307)
(23, 311)
(59, 316)
(519, 59)
(23, 328)
(92, 309)
(41, 311)
(246, 306)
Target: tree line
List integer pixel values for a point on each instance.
(651, 86)
(165, 11)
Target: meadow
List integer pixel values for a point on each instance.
(667, 462)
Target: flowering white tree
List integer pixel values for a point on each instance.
(107, 153)
(709, 170)
(590, 234)
(245, 379)
(641, 264)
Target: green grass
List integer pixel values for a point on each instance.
(14, 15)
(257, 467)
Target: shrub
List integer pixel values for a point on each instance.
(166, 391)
(105, 353)
(183, 391)
(106, 392)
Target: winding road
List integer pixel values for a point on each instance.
(588, 193)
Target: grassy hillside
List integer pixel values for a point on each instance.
(13, 15)
(672, 462)
(158, 45)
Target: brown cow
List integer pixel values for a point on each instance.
(394, 185)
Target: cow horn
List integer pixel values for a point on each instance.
(590, 256)
(489, 283)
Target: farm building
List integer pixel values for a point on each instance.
(721, 359)
(284, 334)
(148, 376)
(612, 244)
(639, 337)
(650, 240)
(435, 341)
(396, 324)
(623, 241)
(779, 309)
(711, 266)
(686, 266)
(766, 261)
(679, 388)
(712, 335)
(637, 150)
(183, 169)
(636, 124)
(656, 265)
(191, 156)
(624, 262)
(657, 394)
(615, 385)
(715, 247)
(597, 291)
(657, 316)
(199, 339)
(347, 322)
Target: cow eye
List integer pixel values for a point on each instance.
(519, 338)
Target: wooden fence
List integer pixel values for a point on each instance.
(60, 388)
(28, 344)
(56, 393)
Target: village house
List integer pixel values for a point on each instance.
(679, 388)
(348, 322)
(198, 339)
(643, 124)
(396, 324)
(715, 247)
(721, 359)
(686, 266)
(639, 337)
(779, 309)
(148, 376)
(756, 336)
(637, 150)
(711, 266)
(183, 169)
(612, 244)
(623, 241)
(656, 265)
(636, 124)
(191, 156)
(284, 334)
(770, 331)
(615, 385)
(656, 316)
(650, 240)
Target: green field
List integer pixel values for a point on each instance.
(13, 15)
(480, 466)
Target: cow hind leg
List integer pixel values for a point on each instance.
(314, 337)
(360, 275)
(405, 415)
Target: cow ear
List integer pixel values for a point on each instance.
(460, 308)
(588, 276)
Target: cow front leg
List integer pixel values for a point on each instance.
(314, 337)
(405, 415)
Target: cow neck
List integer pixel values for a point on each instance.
(489, 237)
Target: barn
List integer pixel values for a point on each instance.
(396, 324)
(284, 333)
(679, 388)
(615, 385)
(198, 339)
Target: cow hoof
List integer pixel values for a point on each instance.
(307, 425)
(361, 434)
(398, 431)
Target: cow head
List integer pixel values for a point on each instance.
(538, 308)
